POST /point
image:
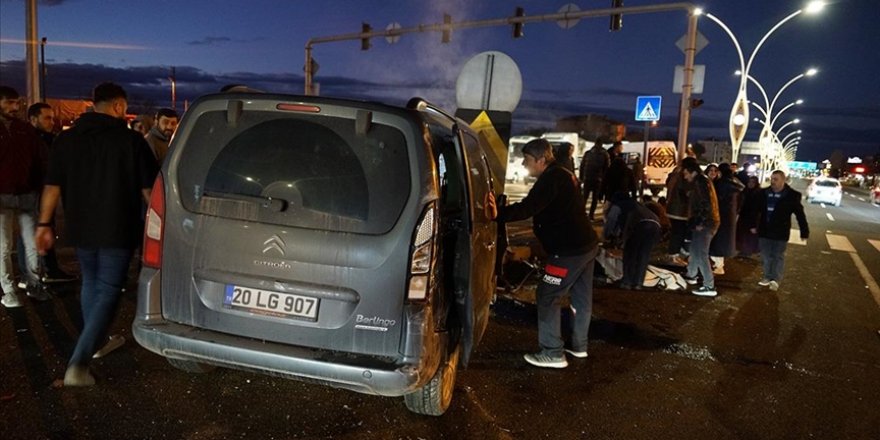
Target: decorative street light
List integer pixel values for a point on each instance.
(767, 111)
(739, 114)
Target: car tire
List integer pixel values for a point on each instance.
(191, 366)
(434, 398)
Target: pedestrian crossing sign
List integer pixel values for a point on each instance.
(648, 108)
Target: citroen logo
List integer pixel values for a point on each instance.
(274, 243)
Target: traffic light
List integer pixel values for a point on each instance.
(696, 103)
(365, 42)
(447, 28)
(518, 27)
(616, 19)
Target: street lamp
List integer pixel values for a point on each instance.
(767, 111)
(784, 139)
(739, 114)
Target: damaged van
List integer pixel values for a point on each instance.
(332, 241)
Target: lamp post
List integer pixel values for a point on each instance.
(784, 139)
(739, 114)
(767, 111)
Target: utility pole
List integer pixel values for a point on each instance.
(33, 73)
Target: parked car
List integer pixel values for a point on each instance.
(325, 240)
(825, 189)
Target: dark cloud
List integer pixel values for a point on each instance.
(216, 41)
(826, 129)
(52, 2)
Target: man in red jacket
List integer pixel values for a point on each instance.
(21, 177)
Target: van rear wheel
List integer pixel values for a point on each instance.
(434, 398)
(190, 366)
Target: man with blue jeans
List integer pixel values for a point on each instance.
(100, 169)
(778, 203)
(561, 224)
(703, 220)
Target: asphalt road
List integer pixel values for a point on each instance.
(803, 362)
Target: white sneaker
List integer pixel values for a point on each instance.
(705, 291)
(577, 354)
(78, 376)
(22, 285)
(541, 359)
(774, 286)
(764, 282)
(115, 342)
(11, 301)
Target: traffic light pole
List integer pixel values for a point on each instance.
(448, 26)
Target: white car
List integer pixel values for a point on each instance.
(825, 189)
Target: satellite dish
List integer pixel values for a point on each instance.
(489, 81)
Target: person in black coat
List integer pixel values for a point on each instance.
(778, 204)
(635, 228)
(619, 178)
(728, 190)
(749, 214)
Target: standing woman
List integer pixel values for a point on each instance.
(749, 213)
(727, 189)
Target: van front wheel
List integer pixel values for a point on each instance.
(434, 398)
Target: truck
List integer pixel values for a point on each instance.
(661, 161)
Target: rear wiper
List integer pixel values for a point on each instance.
(270, 203)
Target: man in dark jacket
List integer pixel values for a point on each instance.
(100, 169)
(561, 225)
(778, 203)
(160, 135)
(594, 164)
(21, 173)
(703, 222)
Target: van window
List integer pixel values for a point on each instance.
(296, 170)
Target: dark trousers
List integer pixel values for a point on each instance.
(561, 275)
(103, 275)
(679, 236)
(593, 188)
(637, 252)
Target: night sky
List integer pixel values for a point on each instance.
(586, 69)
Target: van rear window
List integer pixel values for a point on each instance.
(296, 170)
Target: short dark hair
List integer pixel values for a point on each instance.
(780, 172)
(539, 148)
(725, 170)
(7, 92)
(108, 91)
(35, 109)
(690, 164)
(167, 113)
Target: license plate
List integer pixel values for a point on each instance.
(267, 302)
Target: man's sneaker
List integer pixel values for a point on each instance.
(541, 359)
(22, 285)
(705, 291)
(691, 281)
(774, 286)
(115, 342)
(38, 293)
(764, 282)
(58, 277)
(577, 354)
(10, 300)
(78, 376)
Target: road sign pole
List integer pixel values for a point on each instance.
(645, 147)
(687, 85)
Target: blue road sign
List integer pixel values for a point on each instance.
(648, 108)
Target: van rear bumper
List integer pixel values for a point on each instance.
(361, 373)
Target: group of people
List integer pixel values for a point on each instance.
(101, 170)
(709, 215)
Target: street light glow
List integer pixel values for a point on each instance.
(739, 119)
(799, 101)
(814, 7)
(812, 71)
(698, 11)
(797, 121)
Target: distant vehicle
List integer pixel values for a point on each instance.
(556, 139)
(333, 241)
(516, 172)
(661, 161)
(825, 190)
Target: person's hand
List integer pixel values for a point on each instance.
(44, 238)
(490, 206)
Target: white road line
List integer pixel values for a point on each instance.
(875, 243)
(822, 205)
(862, 199)
(839, 243)
(794, 237)
(852, 195)
(866, 274)
(830, 217)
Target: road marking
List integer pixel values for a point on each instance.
(866, 274)
(794, 237)
(875, 243)
(839, 243)
(822, 205)
(862, 199)
(830, 217)
(852, 195)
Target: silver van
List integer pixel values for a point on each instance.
(325, 240)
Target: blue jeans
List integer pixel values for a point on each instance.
(561, 274)
(103, 275)
(699, 259)
(773, 256)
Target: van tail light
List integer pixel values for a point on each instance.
(422, 258)
(155, 225)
